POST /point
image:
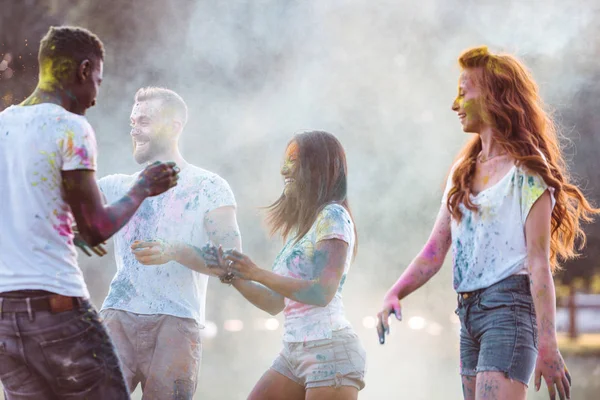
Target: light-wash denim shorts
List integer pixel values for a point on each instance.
(498, 330)
(339, 361)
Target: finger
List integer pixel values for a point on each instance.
(220, 255)
(568, 375)
(145, 252)
(148, 260)
(234, 258)
(551, 390)
(561, 390)
(397, 312)
(138, 244)
(98, 251)
(538, 379)
(380, 333)
(385, 321)
(85, 250)
(567, 385)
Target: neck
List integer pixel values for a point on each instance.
(489, 147)
(172, 155)
(58, 96)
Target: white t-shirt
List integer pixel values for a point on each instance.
(176, 215)
(489, 245)
(36, 244)
(304, 322)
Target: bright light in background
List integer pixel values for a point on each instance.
(434, 329)
(210, 330)
(233, 325)
(271, 324)
(369, 322)
(416, 323)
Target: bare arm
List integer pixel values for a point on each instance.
(550, 364)
(97, 222)
(427, 263)
(260, 295)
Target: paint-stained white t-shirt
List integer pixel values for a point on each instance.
(36, 241)
(304, 322)
(489, 245)
(176, 215)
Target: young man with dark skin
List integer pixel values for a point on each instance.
(52, 342)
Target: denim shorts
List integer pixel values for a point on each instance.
(339, 361)
(498, 330)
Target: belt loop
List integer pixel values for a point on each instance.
(1, 304)
(29, 310)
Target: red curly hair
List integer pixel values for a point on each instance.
(513, 108)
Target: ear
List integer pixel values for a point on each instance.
(84, 70)
(177, 125)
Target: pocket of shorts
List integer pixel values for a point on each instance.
(496, 300)
(76, 361)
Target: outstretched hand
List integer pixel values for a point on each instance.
(391, 305)
(241, 265)
(153, 252)
(214, 258)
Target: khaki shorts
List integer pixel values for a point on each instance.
(160, 352)
(339, 361)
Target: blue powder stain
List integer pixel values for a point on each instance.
(321, 357)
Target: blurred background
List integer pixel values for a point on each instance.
(381, 75)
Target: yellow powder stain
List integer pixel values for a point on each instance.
(486, 179)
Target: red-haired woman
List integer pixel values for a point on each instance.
(508, 212)
(322, 357)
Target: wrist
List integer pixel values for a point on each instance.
(137, 193)
(259, 276)
(548, 342)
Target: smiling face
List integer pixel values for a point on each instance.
(289, 170)
(468, 104)
(150, 132)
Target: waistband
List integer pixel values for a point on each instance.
(514, 283)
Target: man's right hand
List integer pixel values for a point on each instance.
(157, 178)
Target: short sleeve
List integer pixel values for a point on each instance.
(218, 193)
(334, 222)
(77, 145)
(532, 187)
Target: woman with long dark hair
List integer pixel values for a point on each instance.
(322, 357)
(509, 212)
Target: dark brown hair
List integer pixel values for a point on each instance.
(321, 178)
(515, 111)
(74, 43)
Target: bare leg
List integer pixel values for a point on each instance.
(332, 393)
(496, 386)
(274, 386)
(468, 387)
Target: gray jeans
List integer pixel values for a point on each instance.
(64, 355)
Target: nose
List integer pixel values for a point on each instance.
(455, 105)
(285, 170)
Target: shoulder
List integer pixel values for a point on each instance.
(201, 177)
(335, 212)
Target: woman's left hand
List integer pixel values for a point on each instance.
(241, 265)
(551, 366)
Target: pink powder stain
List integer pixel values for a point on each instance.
(430, 252)
(64, 226)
